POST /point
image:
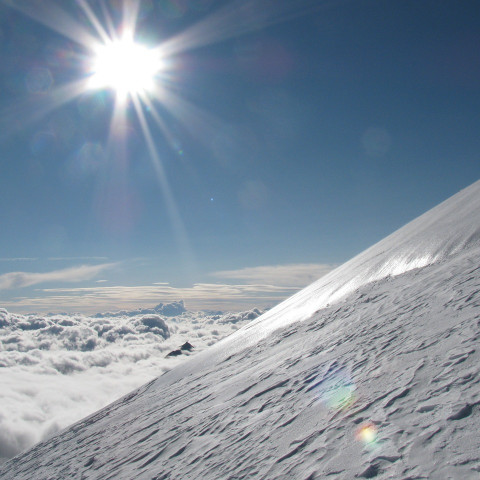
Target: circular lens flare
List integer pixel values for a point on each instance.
(125, 66)
(337, 390)
(367, 433)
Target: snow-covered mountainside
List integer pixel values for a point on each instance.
(371, 372)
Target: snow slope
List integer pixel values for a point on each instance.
(379, 380)
(449, 228)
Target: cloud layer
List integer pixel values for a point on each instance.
(56, 369)
(202, 296)
(72, 274)
(263, 286)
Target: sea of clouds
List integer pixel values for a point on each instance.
(57, 368)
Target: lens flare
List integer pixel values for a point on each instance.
(39, 80)
(341, 396)
(337, 390)
(367, 434)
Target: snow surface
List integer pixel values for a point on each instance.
(449, 228)
(380, 379)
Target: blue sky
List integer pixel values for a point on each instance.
(298, 134)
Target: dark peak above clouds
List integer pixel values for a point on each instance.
(184, 349)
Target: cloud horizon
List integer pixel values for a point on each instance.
(262, 286)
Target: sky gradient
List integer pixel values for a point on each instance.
(293, 138)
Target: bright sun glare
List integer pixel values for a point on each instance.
(125, 66)
(139, 73)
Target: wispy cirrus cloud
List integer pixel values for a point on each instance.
(262, 286)
(73, 274)
(18, 259)
(60, 259)
(291, 275)
(200, 296)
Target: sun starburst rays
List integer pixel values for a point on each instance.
(35, 108)
(95, 22)
(143, 77)
(172, 208)
(139, 74)
(57, 19)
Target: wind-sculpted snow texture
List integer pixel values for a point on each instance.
(382, 383)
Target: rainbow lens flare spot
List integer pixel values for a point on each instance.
(367, 433)
(337, 391)
(342, 396)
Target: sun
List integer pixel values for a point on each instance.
(127, 67)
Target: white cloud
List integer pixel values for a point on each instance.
(292, 275)
(77, 258)
(18, 259)
(262, 286)
(72, 274)
(57, 369)
(201, 296)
